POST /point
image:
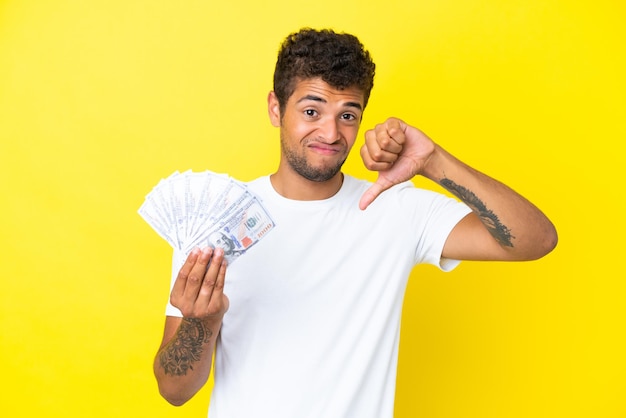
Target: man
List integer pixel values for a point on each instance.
(315, 307)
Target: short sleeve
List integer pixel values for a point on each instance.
(434, 217)
(178, 259)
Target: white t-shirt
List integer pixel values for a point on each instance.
(315, 306)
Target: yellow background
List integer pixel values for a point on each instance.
(100, 99)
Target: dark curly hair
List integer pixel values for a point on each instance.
(339, 59)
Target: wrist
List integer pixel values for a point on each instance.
(433, 168)
(207, 326)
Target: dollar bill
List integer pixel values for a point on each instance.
(239, 228)
(197, 209)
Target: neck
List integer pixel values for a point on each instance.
(296, 187)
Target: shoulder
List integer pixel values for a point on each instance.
(257, 182)
(260, 186)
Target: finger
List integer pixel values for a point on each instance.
(219, 303)
(389, 136)
(196, 275)
(221, 277)
(380, 146)
(373, 192)
(210, 277)
(382, 164)
(181, 279)
(210, 299)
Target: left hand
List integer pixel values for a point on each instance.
(397, 151)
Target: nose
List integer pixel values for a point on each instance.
(329, 131)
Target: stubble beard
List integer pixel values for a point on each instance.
(301, 166)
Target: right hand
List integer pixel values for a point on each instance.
(198, 291)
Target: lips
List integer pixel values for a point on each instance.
(325, 149)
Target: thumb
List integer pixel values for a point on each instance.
(373, 192)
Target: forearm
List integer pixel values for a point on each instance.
(519, 227)
(183, 364)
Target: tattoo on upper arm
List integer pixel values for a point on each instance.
(500, 232)
(178, 356)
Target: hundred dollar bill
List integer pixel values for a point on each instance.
(238, 230)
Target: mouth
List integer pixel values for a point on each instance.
(325, 149)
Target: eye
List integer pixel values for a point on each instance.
(348, 117)
(310, 112)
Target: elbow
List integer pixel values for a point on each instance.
(175, 402)
(178, 390)
(174, 398)
(175, 391)
(551, 239)
(534, 246)
(546, 243)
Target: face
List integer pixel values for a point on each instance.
(317, 128)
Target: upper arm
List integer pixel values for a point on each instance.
(470, 240)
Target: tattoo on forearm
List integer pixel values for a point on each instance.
(178, 356)
(500, 232)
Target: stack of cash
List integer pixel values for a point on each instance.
(199, 209)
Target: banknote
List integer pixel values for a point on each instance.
(198, 209)
(240, 227)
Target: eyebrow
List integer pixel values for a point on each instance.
(321, 100)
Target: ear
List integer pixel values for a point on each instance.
(273, 108)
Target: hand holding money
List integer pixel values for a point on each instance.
(198, 289)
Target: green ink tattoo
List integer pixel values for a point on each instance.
(500, 232)
(178, 356)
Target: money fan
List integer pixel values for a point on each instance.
(199, 209)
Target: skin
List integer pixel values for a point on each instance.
(504, 226)
(183, 362)
(318, 129)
